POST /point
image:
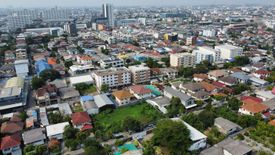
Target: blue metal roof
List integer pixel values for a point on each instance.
(41, 65)
(86, 98)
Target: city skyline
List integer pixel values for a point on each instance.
(97, 3)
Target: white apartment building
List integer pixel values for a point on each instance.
(229, 51)
(140, 74)
(182, 59)
(114, 77)
(270, 24)
(206, 53)
(209, 33)
(111, 62)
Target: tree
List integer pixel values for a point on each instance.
(194, 121)
(207, 117)
(152, 63)
(175, 107)
(132, 124)
(104, 88)
(68, 64)
(166, 60)
(37, 82)
(105, 51)
(92, 147)
(234, 103)
(186, 72)
(70, 137)
(23, 115)
(172, 135)
(80, 50)
(240, 88)
(50, 74)
(40, 149)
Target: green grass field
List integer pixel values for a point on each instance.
(112, 122)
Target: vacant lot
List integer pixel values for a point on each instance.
(111, 121)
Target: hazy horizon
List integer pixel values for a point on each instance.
(96, 3)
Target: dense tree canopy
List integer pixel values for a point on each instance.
(49, 74)
(37, 82)
(175, 107)
(172, 135)
(92, 147)
(132, 124)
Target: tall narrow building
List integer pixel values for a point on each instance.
(108, 13)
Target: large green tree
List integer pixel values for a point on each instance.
(92, 147)
(50, 74)
(175, 107)
(132, 124)
(172, 135)
(37, 82)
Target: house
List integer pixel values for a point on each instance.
(59, 83)
(191, 88)
(123, 97)
(176, 85)
(228, 147)
(88, 105)
(258, 82)
(241, 77)
(199, 77)
(187, 101)
(258, 66)
(47, 94)
(81, 120)
(160, 102)
(250, 107)
(209, 87)
(84, 59)
(169, 73)
(11, 127)
(201, 95)
(225, 126)
(34, 137)
(262, 74)
(228, 80)
(102, 101)
(56, 130)
(69, 94)
(41, 65)
(265, 95)
(198, 139)
(216, 74)
(140, 92)
(256, 99)
(11, 144)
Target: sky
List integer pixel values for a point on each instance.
(96, 3)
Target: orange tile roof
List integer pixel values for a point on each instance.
(86, 58)
(207, 86)
(122, 94)
(201, 76)
(52, 61)
(254, 107)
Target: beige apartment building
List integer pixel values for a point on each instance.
(182, 59)
(140, 74)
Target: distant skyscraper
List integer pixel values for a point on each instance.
(108, 13)
(70, 28)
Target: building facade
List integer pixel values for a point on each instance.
(140, 74)
(182, 59)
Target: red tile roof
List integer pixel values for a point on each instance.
(79, 118)
(262, 72)
(139, 89)
(10, 141)
(86, 127)
(256, 99)
(218, 84)
(15, 118)
(254, 107)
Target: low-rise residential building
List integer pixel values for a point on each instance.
(123, 97)
(111, 62)
(200, 77)
(11, 144)
(225, 126)
(140, 74)
(187, 101)
(84, 59)
(81, 120)
(102, 101)
(160, 102)
(88, 105)
(265, 95)
(228, 147)
(56, 130)
(182, 60)
(141, 92)
(216, 74)
(113, 77)
(250, 107)
(34, 136)
(47, 94)
(69, 94)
